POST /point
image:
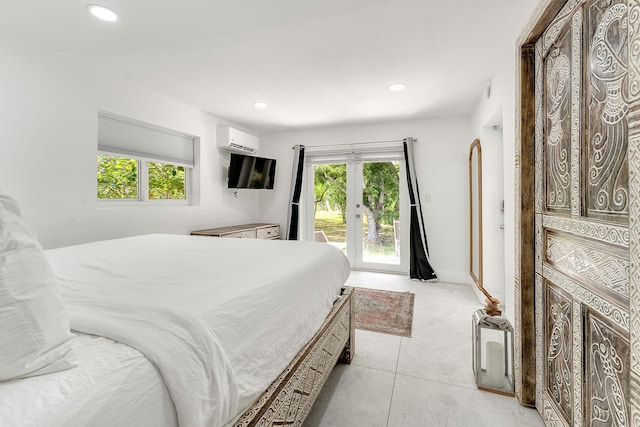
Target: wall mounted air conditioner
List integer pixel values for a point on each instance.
(237, 141)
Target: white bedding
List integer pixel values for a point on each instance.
(112, 385)
(220, 318)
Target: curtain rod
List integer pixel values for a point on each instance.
(350, 144)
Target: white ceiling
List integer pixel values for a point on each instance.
(314, 62)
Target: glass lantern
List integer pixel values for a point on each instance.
(492, 340)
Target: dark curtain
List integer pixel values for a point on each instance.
(419, 264)
(296, 189)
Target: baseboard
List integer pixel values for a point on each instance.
(453, 277)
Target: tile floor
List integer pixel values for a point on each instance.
(425, 380)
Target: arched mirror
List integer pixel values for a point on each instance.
(475, 225)
(475, 212)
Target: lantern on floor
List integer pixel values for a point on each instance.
(492, 352)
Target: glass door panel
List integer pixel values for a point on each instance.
(330, 204)
(380, 215)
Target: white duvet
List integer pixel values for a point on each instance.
(113, 384)
(220, 318)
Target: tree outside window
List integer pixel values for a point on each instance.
(121, 178)
(117, 177)
(166, 182)
(380, 194)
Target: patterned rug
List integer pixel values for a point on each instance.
(388, 312)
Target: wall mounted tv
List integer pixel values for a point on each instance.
(251, 172)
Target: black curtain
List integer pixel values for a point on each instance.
(296, 189)
(419, 264)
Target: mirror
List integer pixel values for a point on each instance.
(475, 212)
(492, 306)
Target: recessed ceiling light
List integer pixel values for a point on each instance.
(102, 12)
(260, 104)
(397, 86)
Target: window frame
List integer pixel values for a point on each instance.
(143, 183)
(147, 156)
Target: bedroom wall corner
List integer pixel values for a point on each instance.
(498, 146)
(49, 143)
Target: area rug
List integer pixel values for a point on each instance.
(388, 312)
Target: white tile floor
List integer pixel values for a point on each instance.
(425, 380)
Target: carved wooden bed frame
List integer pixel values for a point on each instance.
(288, 400)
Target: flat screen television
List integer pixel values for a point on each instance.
(251, 172)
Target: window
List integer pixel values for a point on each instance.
(117, 177)
(166, 181)
(141, 162)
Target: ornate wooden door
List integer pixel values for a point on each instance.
(584, 84)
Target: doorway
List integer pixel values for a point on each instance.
(355, 201)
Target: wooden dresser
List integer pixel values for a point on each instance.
(244, 231)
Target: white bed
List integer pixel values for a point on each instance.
(218, 319)
(112, 385)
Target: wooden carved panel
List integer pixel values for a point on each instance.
(557, 124)
(540, 342)
(633, 81)
(559, 22)
(604, 306)
(607, 373)
(602, 268)
(607, 233)
(579, 129)
(578, 339)
(559, 349)
(607, 180)
(288, 400)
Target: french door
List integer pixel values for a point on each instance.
(354, 201)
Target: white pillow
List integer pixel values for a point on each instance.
(34, 326)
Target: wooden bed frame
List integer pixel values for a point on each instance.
(288, 400)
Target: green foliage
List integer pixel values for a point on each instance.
(381, 190)
(330, 187)
(331, 223)
(166, 182)
(117, 177)
(380, 195)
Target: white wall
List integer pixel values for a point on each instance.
(441, 164)
(49, 105)
(48, 140)
(499, 109)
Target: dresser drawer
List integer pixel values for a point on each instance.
(271, 232)
(243, 234)
(258, 230)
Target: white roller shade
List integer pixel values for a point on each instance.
(121, 136)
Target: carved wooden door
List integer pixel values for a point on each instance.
(582, 215)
